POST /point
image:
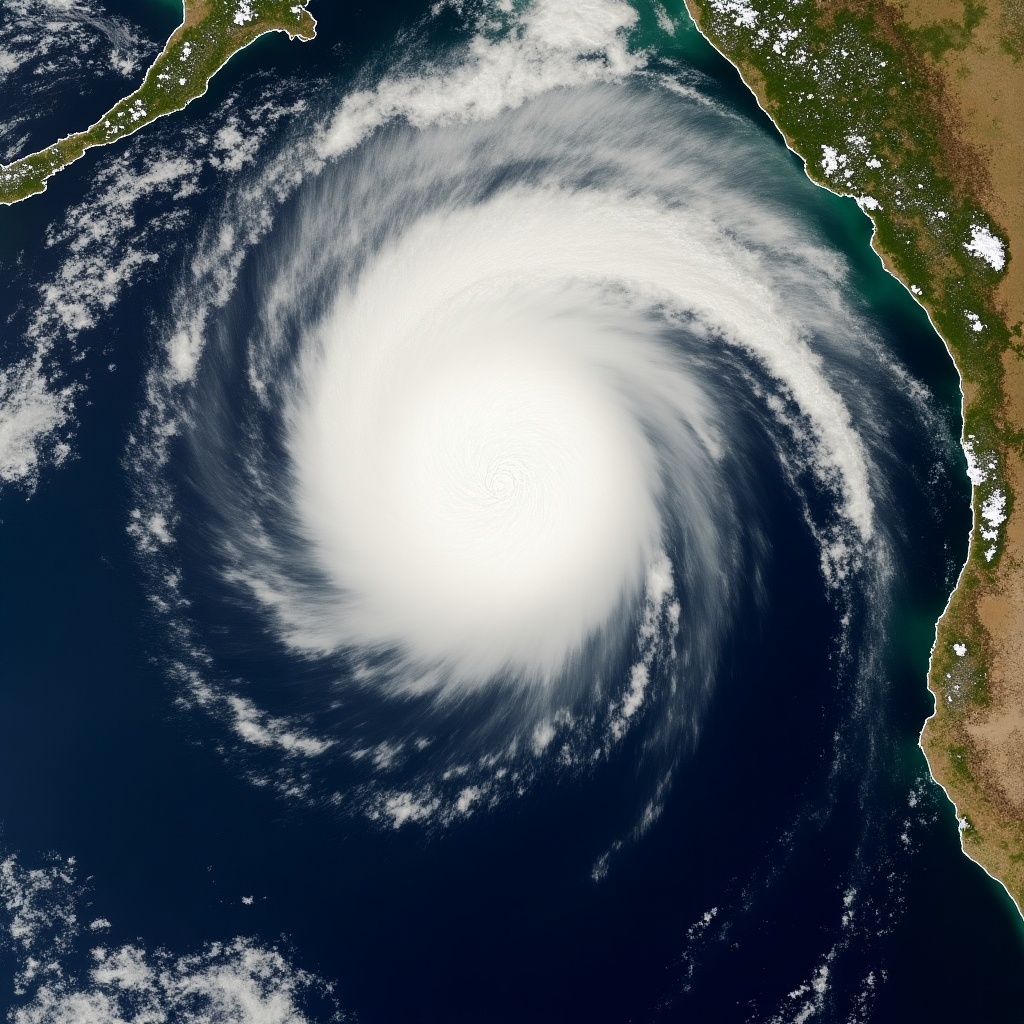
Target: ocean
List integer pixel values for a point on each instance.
(473, 520)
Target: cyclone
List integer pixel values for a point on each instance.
(465, 468)
(477, 520)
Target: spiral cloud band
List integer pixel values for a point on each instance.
(488, 459)
(477, 469)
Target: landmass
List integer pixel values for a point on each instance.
(210, 33)
(914, 108)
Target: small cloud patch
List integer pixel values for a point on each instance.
(987, 246)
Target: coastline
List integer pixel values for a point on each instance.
(961, 624)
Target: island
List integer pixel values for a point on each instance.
(913, 108)
(211, 32)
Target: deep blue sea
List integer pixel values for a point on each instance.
(473, 517)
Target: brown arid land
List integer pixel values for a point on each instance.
(949, 126)
(982, 77)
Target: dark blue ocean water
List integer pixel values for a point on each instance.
(800, 842)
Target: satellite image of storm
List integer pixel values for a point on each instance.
(509, 511)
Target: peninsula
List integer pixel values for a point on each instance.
(913, 108)
(210, 33)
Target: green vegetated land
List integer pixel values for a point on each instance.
(211, 32)
(856, 91)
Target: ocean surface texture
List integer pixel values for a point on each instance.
(473, 519)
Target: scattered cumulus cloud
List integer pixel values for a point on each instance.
(239, 981)
(47, 46)
(125, 226)
(33, 411)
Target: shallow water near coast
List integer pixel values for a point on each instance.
(476, 552)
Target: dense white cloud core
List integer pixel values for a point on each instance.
(469, 464)
(472, 425)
